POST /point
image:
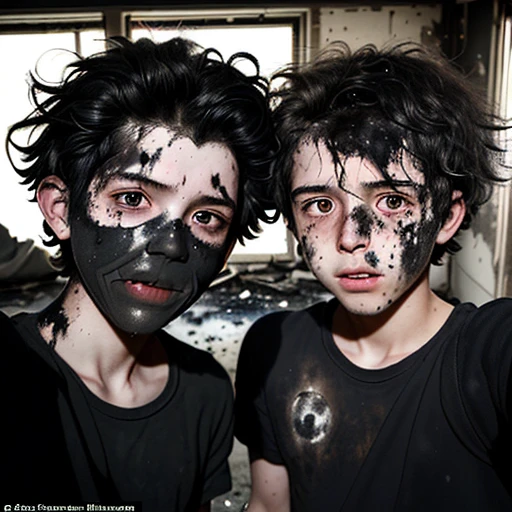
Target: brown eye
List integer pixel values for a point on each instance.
(394, 202)
(324, 206)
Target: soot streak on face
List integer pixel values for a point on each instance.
(307, 249)
(416, 239)
(218, 186)
(363, 219)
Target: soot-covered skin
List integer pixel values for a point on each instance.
(367, 239)
(156, 230)
(116, 264)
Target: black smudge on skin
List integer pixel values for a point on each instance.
(55, 316)
(372, 138)
(155, 157)
(417, 240)
(371, 258)
(363, 219)
(144, 158)
(216, 184)
(307, 249)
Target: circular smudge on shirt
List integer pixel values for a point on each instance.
(311, 416)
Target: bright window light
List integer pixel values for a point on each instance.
(273, 47)
(20, 54)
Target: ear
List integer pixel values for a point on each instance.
(454, 220)
(53, 199)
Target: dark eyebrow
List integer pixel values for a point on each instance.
(218, 201)
(388, 183)
(305, 189)
(140, 178)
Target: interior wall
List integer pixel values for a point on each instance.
(360, 25)
(474, 270)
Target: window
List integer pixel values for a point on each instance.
(35, 42)
(36, 45)
(230, 33)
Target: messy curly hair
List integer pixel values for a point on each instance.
(85, 121)
(382, 104)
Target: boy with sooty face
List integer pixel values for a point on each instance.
(149, 160)
(386, 397)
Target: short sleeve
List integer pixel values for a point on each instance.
(253, 426)
(485, 361)
(478, 367)
(217, 477)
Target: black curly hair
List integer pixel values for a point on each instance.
(85, 121)
(381, 104)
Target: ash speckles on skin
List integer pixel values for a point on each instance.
(311, 416)
(372, 259)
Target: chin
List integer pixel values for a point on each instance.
(368, 308)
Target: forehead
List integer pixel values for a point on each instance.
(164, 153)
(313, 164)
(169, 157)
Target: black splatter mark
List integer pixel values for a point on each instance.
(55, 316)
(217, 186)
(371, 258)
(144, 158)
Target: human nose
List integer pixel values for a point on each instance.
(170, 241)
(356, 228)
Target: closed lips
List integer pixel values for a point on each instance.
(147, 292)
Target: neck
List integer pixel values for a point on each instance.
(381, 340)
(106, 359)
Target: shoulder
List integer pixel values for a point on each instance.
(495, 309)
(281, 335)
(195, 364)
(15, 332)
(476, 374)
(489, 325)
(280, 323)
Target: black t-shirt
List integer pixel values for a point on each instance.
(429, 433)
(170, 454)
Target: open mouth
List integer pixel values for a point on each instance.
(359, 281)
(147, 292)
(358, 276)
